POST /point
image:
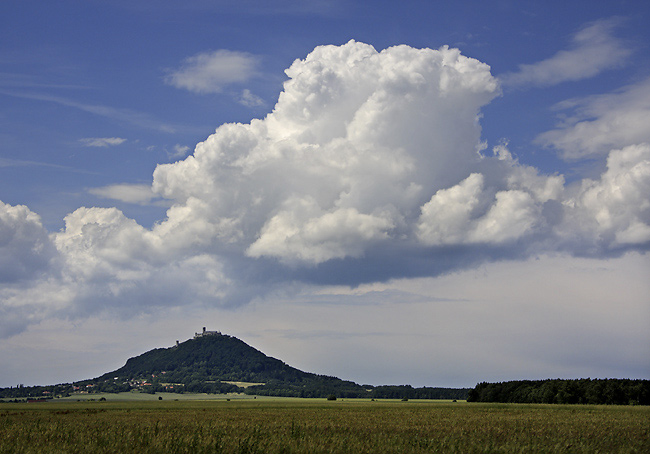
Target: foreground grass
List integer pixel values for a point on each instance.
(303, 426)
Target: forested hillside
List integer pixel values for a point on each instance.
(208, 363)
(217, 357)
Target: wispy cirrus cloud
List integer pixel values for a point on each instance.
(246, 7)
(594, 125)
(210, 72)
(139, 119)
(6, 162)
(17, 80)
(594, 49)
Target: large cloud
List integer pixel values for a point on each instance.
(27, 255)
(112, 261)
(368, 168)
(509, 207)
(25, 248)
(614, 210)
(358, 140)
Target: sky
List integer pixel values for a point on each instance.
(426, 193)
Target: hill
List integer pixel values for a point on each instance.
(212, 362)
(208, 358)
(216, 362)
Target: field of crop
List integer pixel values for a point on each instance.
(319, 426)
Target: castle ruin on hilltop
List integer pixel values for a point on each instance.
(201, 334)
(207, 333)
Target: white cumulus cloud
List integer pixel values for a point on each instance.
(102, 142)
(445, 218)
(179, 151)
(503, 207)
(357, 141)
(140, 194)
(209, 72)
(303, 232)
(25, 248)
(250, 99)
(614, 210)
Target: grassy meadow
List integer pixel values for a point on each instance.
(268, 425)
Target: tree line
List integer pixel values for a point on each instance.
(610, 391)
(324, 386)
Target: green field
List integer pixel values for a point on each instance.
(318, 426)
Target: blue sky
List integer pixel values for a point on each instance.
(376, 198)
